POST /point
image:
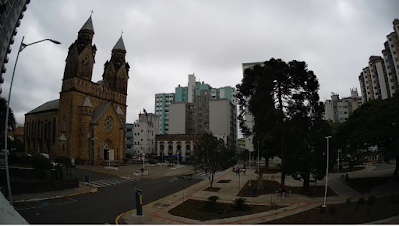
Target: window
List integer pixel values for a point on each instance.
(108, 123)
(63, 128)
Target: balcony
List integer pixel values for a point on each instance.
(18, 23)
(3, 70)
(15, 32)
(9, 50)
(129, 134)
(21, 16)
(12, 41)
(5, 60)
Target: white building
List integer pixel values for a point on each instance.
(162, 103)
(144, 132)
(339, 110)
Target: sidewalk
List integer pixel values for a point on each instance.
(157, 212)
(82, 189)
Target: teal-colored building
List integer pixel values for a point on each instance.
(162, 103)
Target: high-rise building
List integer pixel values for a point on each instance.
(380, 80)
(339, 110)
(144, 132)
(210, 109)
(162, 103)
(11, 13)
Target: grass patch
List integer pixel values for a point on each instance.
(364, 185)
(215, 189)
(344, 214)
(347, 170)
(224, 181)
(268, 171)
(197, 210)
(270, 187)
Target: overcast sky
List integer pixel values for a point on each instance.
(167, 40)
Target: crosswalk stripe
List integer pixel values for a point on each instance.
(109, 182)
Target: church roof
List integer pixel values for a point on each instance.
(86, 103)
(99, 110)
(119, 44)
(119, 111)
(50, 105)
(88, 25)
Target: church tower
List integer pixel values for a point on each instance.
(80, 59)
(116, 70)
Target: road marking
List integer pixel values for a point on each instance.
(108, 182)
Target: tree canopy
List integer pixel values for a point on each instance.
(211, 155)
(375, 123)
(273, 92)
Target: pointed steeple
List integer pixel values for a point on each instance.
(88, 25)
(119, 44)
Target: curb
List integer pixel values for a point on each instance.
(58, 196)
(120, 215)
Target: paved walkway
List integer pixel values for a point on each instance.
(157, 212)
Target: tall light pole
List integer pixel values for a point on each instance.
(258, 157)
(338, 160)
(325, 190)
(22, 46)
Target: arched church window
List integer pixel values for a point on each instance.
(54, 129)
(108, 122)
(63, 128)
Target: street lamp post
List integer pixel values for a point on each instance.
(258, 157)
(22, 46)
(325, 191)
(338, 160)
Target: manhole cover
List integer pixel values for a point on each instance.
(166, 205)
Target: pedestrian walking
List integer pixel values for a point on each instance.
(244, 170)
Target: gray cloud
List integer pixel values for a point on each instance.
(167, 40)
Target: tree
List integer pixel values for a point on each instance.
(270, 88)
(211, 155)
(375, 123)
(11, 118)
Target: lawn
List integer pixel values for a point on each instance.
(348, 169)
(364, 185)
(198, 210)
(345, 214)
(270, 187)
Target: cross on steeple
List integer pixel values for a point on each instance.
(91, 13)
(121, 33)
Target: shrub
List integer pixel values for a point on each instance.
(361, 201)
(213, 198)
(348, 202)
(63, 160)
(40, 174)
(40, 162)
(371, 200)
(240, 203)
(332, 209)
(152, 161)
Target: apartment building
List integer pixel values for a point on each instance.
(380, 80)
(11, 14)
(162, 103)
(339, 110)
(144, 132)
(129, 148)
(209, 109)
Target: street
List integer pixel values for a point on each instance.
(105, 205)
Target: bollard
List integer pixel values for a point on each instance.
(87, 178)
(139, 202)
(254, 192)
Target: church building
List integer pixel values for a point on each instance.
(88, 115)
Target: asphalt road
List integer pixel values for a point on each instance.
(105, 205)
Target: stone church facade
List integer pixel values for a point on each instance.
(88, 115)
